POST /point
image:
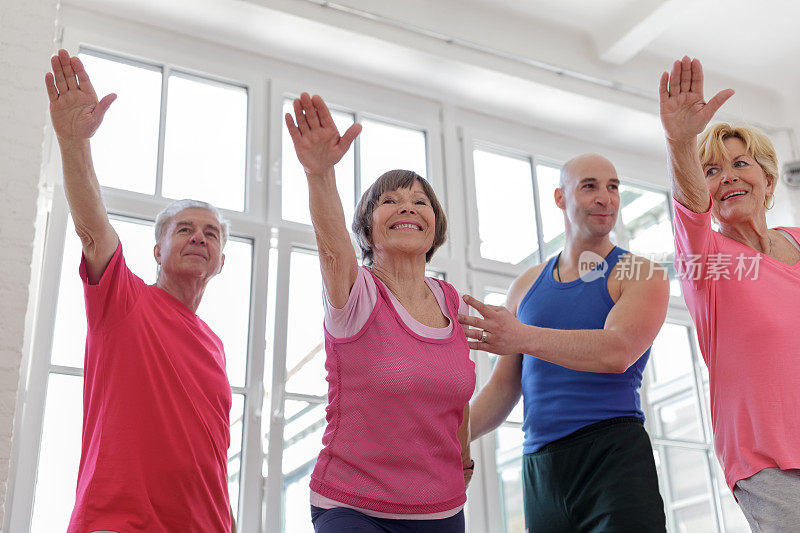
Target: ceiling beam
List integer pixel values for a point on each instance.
(640, 25)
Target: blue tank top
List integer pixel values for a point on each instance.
(557, 400)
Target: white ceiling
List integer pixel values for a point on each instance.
(747, 45)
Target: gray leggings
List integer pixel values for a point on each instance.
(770, 500)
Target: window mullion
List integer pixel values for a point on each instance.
(162, 123)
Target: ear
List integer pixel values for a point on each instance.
(558, 195)
(221, 262)
(772, 183)
(157, 253)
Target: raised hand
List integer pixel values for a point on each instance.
(684, 112)
(74, 108)
(316, 139)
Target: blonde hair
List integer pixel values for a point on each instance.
(711, 147)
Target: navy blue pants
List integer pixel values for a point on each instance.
(340, 519)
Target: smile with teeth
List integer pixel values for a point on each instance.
(407, 226)
(733, 194)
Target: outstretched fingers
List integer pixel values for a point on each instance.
(66, 66)
(675, 79)
(349, 136)
(663, 91)
(294, 131)
(104, 104)
(697, 77)
(322, 111)
(50, 84)
(308, 109)
(300, 116)
(84, 83)
(715, 103)
(686, 74)
(58, 74)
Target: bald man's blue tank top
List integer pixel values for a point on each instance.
(557, 400)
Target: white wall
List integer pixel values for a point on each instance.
(27, 29)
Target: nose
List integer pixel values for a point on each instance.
(198, 238)
(602, 198)
(407, 208)
(728, 176)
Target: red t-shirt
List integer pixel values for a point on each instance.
(156, 402)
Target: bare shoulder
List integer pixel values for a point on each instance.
(520, 286)
(635, 270)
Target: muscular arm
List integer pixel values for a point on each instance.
(684, 115)
(630, 328)
(76, 114)
(319, 147)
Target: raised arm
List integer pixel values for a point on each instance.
(684, 115)
(319, 146)
(76, 114)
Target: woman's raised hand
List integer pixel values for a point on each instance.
(316, 140)
(684, 112)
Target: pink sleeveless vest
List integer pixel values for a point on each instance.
(395, 403)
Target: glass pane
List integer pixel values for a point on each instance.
(235, 451)
(266, 401)
(305, 342)
(671, 356)
(305, 424)
(687, 473)
(69, 333)
(387, 147)
(59, 454)
(125, 148)
(506, 214)
(552, 216)
(645, 216)
(226, 306)
(694, 519)
(294, 187)
(205, 147)
(509, 472)
(679, 419)
(735, 522)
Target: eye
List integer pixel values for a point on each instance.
(211, 234)
(613, 187)
(740, 163)
(711, 171)
(589, 186)
(421, 202)
(387, 201)
(183, 230)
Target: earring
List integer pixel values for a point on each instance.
(769, 202)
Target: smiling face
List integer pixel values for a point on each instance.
(738, 184)
(589, 195)
(403, 222)
(191, 245)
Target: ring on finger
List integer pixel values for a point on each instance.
(484, 335)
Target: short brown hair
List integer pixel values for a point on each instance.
(391, 181)
(710, 145)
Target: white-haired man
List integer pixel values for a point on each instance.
(156, 398)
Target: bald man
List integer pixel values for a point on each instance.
(574, 337)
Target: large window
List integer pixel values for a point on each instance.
(210, 127)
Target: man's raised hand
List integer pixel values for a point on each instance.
(316, 139)
(684, 112)
(75, 111)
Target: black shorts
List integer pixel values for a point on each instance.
(601, 478)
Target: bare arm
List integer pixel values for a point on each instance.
(684, 115)
(464, 440)
(497, 398)
(319, 147)
(630, 328)
(76, 114)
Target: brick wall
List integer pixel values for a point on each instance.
(27, 29)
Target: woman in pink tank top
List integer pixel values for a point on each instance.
(396, 446)
(742, 287)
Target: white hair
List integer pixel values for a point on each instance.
(166, 214)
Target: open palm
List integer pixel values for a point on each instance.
(316, 139)
(74, 109)
(684, 112)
